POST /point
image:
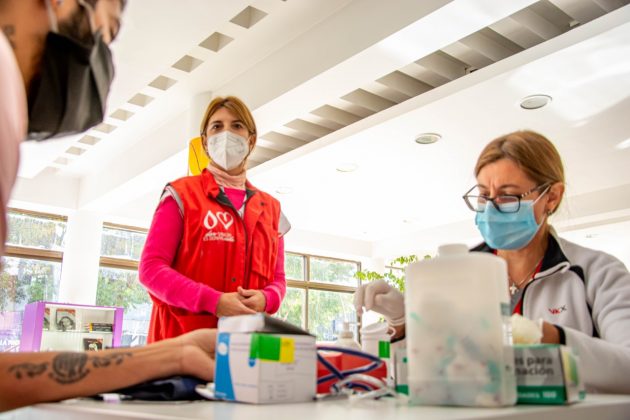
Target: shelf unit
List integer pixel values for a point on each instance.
(37, 337)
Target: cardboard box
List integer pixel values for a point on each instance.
(547, 374)
(257, 361)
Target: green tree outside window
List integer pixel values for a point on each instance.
(294, 266)
(333, 271)
(292, 308)
(35, 232)
(117, 287)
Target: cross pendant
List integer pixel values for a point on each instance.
(513, 289)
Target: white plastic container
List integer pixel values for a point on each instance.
(459, 340)
(376, 340)
(346, 338)
(374, 337)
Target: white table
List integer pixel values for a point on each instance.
(599, 407)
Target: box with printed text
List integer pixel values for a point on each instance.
(264, 360)
(547, 374)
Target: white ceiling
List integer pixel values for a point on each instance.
(306, 56)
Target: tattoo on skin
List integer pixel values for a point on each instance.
(68, 368)
(110, 359)
(28, 369)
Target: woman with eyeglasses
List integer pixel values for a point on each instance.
(582, 295)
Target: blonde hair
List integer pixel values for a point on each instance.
(532, 152)
(234, 105)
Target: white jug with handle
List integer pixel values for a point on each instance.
(459, 340)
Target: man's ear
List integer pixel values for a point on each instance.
(56, 11)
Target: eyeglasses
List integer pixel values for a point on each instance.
(505, 203)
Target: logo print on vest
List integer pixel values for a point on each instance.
(226, 219)
(211, 220)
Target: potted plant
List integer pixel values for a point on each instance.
(395, 275)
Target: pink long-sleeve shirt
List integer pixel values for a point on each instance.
(168, 285)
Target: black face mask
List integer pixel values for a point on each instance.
(70, 94)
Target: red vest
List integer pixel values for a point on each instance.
(218, 248)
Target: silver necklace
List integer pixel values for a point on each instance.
(514, 287)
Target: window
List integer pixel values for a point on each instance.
(36, 230)
(326, 270)
(122, 243)
(294, 266)
(319, 293)
(31, 269)
(118, 285)
(327, 310)
(292, 308)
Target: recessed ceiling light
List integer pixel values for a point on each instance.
(428, 138)
(284, 190)
(623, 144)
(535, 101)
(347, 167)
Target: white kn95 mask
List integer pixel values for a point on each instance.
(227, 149)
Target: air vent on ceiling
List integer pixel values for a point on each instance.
(187, 63)
(248, 17)
(216, 42)
(89, 140)
(105, 128)
(122, 114)
(162, 82)
(77, 151)
(140, 99)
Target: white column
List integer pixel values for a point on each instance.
(79, 272)
(198, 105)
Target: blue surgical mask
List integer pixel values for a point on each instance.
(508, 230)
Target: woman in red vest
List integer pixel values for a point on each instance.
(215, 246)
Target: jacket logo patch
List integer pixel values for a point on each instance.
(557, 311)
(212, 220)
(226, 219)
(223, 217)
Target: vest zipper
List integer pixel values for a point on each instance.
(226, 201)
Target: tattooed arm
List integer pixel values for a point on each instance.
(29, 378)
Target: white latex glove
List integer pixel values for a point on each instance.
(378, 296)
(526, 331)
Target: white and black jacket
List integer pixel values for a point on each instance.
(586, 293)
